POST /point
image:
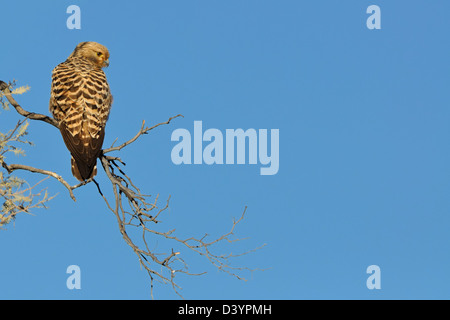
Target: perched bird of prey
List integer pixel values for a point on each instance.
(81, 101)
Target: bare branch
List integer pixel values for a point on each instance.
(136, 214)
(142, 131)
(12, 167)
(133, 210)
(30, 115)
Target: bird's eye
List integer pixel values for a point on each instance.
(99, 54)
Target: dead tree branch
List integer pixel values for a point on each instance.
(4, 88)
(138, 217)
(13, 167)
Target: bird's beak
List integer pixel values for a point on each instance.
(106, 63)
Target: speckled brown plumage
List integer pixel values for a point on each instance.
(81, 101)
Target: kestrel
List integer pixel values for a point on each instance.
(81, 101)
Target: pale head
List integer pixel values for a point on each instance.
(92, 51)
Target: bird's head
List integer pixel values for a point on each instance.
(93, 51)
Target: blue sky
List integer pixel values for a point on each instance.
(363, 117)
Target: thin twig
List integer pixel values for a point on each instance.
(142, 131)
